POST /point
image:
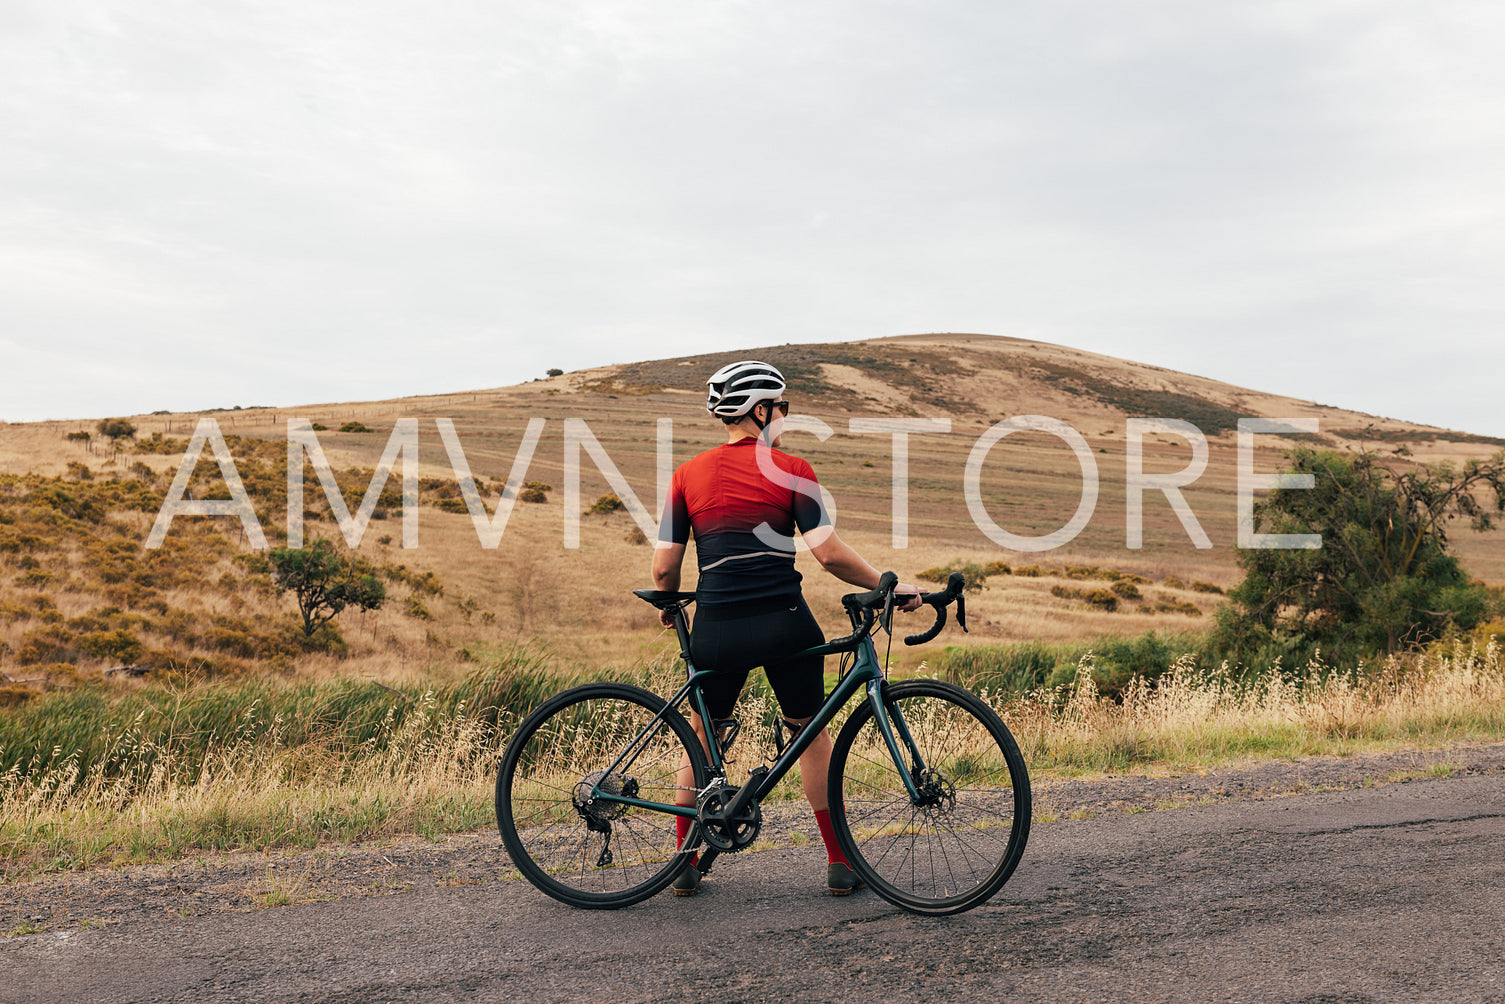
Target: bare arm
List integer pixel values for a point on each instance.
(667, 561)
(837, 557)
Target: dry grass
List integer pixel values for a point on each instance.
(433, 772)
(1192, 719)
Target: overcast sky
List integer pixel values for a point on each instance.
(207, 203)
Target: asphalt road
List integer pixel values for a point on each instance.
(1391, 893)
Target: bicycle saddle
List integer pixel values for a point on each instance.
(662, 598)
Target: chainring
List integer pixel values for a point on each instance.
(740, 832)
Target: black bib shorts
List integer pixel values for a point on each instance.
(733, 640)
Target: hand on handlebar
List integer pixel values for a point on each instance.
(911, 597)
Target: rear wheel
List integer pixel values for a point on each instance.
(572, 844)
(955, 845)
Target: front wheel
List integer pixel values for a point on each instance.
(957, 843)
(569, 841)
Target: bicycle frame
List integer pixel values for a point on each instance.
(866, 673)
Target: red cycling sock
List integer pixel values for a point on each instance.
(828, 836)
(682, 829)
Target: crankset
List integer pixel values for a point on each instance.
(723, 833)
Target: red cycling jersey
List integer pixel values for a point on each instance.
(723, 496)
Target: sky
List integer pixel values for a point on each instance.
(271, 203)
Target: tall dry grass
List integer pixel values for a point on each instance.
(1193, 717)
(272, 776)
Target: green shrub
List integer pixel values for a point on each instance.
(1126, 590)
(973, 572)
(1207, 587)
(1025, 666)
(1101, 598)
(115, 429)
(355, 427)
(606, 504)
(120, 645)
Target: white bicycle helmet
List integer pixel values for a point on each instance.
(736, 387)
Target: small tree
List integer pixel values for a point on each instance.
(324, 583)
(1383, 578)
(115, 429)
(554, 372)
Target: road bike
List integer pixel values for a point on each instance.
(929, 794)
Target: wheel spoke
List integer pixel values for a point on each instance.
(556, 832)
(958, 844)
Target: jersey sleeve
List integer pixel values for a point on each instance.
(809, 510)
(674, 526)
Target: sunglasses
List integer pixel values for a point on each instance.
(782, 406)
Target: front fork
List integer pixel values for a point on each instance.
(892, 727)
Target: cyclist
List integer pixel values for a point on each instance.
(743, 501)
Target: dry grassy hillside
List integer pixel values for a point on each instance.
(73, 514)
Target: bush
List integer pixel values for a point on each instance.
(974, 573)
(1095, 597)
(606, 504)
(78, 437)
(115, 429)
(355, 427)
(533, 491)
(1171, 582)
(1207, 587)
(120, 645)
(1126, 589)
(1026, 666)
(554, 371)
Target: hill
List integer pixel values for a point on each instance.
(80, 594)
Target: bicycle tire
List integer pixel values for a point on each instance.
(569, 742)
(957, 849)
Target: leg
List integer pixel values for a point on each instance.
(685, 779)
(815, 762)
(689, 879)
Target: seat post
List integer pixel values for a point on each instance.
(682, 628)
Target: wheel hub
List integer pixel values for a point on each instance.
(936, 790)
(597, 811)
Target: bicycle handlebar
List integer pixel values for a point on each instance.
(876, 606)
(941, 600)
